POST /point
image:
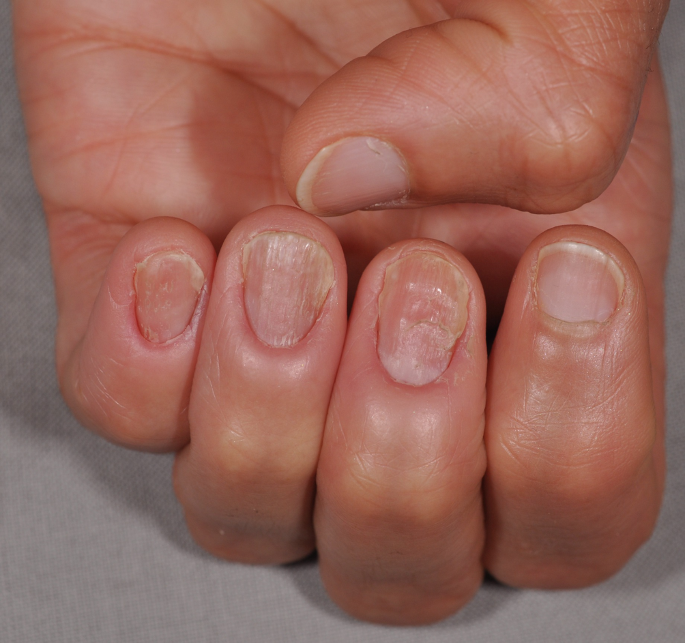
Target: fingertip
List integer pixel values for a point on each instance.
(403, 441)
(572, 486)
(129, 378)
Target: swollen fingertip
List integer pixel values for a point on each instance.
(422, 314)
(287, 279)
(353, 174)
(167, 286)
(578, 283)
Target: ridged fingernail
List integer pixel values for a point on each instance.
(423, 310)
(167, 286)
(287, 280)
(353, 174)
(578, 283)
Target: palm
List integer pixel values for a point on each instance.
(168, 107)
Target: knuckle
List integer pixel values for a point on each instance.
(385, 496)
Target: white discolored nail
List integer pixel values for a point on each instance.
(423, 310)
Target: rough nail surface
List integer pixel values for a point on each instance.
(578, 283)
(167, 286)
(353, 174)
(422, 313)
(287, 279)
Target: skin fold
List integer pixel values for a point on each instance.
(160, 126)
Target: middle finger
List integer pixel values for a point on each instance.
(398, 517)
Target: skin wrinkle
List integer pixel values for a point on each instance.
(398, 464)
(79, 47)
(457, 13)
(437, 93)
(213, 399)
(610, 22)
(562, 141)
(83, 149)
(524, 111)
(292, 26)
(549, 469)
(433, 467)
(604, 44)
(245, 455)
(274, 177)
(96, 393)
(427, 11)
(377, 503)
(117, 39)
(568, 60)
(593, 415)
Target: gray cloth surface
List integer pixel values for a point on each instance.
(93, 546)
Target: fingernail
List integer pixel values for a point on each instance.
(353, 174)
(167, 286)
(287, 279)
(422, 313)
(578, 283)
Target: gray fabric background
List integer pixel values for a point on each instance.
(93, 546)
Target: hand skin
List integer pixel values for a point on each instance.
(156, 127)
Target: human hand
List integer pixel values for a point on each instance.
(142, 110)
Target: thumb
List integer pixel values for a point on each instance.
(525, 104)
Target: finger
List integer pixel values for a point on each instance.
(270, 351)
(128, 378)
(573, 487)
(398, 513)
(524, 104)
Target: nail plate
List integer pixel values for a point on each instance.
(423, 309)
(287, 280)
(353, 174)
(578, 283)
(167, 286)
